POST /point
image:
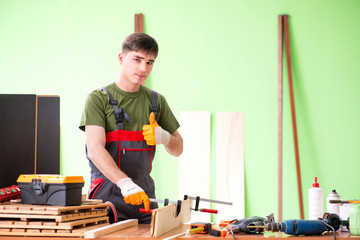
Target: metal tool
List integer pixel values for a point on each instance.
(304, 227)
(209, 200)
(197, 201)
(214, 211)
(166, 202)
(192, 198)
(298, 227)
(247, 225)
(344, 201)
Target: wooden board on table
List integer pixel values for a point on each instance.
(57, 218)
(98, 232)
(194, 162)
(53, 225)
(230, 164)
(18, 219)
(164, 219)
(19, 208)
(48, 232)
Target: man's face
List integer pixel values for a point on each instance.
(136, 66)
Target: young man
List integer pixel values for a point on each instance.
(123, 122)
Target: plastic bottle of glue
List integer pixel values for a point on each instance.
(315, 195)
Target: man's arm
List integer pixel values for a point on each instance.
(175, 145)
(95, 141)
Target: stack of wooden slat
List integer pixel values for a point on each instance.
(18, 219)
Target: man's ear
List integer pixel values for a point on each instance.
(121, 58)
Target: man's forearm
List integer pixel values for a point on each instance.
(104, 162)
(175, 145)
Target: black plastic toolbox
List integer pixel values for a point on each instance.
(55, 190)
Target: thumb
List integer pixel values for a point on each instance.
(152, 118)
(146, 203)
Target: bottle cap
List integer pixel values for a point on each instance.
(315, 184)
(334, 194)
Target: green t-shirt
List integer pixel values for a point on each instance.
(137, 105)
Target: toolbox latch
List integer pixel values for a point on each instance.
(37, 186)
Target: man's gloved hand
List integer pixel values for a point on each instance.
(132, 193)
(154, 134)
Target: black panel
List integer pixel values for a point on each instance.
(17, 137)
(48, 138)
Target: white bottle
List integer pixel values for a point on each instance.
(333, 207)
(315, 201)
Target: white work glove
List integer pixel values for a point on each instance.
(132, 193)
(154, 134)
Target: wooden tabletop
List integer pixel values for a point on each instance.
(142, 232)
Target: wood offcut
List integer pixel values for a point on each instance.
(166, 219)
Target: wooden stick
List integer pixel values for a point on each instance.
(291, 90)
(98, 232)
(141, 22)
(280, 80)
(136, 24)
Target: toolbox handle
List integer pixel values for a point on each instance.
(37, 186)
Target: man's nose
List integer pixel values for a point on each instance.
(142, 66)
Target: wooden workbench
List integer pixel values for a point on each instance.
(142, 232)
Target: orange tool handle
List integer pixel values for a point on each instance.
(224, 223)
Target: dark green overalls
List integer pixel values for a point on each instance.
(134, 157)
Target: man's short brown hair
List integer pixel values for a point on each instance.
(140, 42)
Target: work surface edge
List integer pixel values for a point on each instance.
(142, 231)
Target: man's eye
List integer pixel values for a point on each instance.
(150, 63)
(137, 60)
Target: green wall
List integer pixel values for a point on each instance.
(214, 56)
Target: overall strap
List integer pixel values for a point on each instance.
(154, 107)
(120, 114)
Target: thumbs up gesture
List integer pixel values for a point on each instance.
(154, 134)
